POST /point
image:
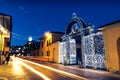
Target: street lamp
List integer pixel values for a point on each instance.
(48, 37)
(29, 39)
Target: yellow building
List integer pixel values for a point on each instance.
(47, 48)
(55, 51)
(111, 34)
(5, 33)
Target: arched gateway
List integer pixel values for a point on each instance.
(73, 40)
(82, 45)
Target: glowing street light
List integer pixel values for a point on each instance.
(30, 38)
(48, 35)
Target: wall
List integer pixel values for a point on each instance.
(111, 34)
(54, 50)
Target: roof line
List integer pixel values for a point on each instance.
(109, 24)
(4, 14)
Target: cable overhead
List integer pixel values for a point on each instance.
(18, 35)
(18, 38)
(21, 37)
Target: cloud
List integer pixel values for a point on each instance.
(21, 8)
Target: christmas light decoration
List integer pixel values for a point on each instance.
(94, 50)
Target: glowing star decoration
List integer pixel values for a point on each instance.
(21, 8)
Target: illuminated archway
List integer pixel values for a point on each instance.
(118, 48)
(73, 31)
(76, 29)
(76, 24)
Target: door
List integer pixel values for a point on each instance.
(118, 47)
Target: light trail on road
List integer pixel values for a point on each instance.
(50, 68)
(32, 69)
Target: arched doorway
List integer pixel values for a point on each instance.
(76, 29)
(118, 48)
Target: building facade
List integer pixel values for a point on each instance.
(5, 33)
(31, 48)
(34, 50)
(46, 44)
(111, 35)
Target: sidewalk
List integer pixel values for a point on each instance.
(5, 71)
(96, 71)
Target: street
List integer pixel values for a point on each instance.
(21, 69)
(49, 72)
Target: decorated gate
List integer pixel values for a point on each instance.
(90, 43)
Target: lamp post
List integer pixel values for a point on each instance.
(29, 39)
(48, 36)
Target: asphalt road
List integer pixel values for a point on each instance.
(49, 72)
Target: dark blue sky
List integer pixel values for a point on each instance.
(34, 17)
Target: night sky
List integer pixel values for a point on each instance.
(34, 17)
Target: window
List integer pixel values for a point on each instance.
(47, 43)
(7, 42)
(48, 53)
(42, 54)
(42, 44)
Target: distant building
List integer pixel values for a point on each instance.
(5, 33)
(16, 50)
(31, 48)
(48, 46)
(111, 36)
(35, 46)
